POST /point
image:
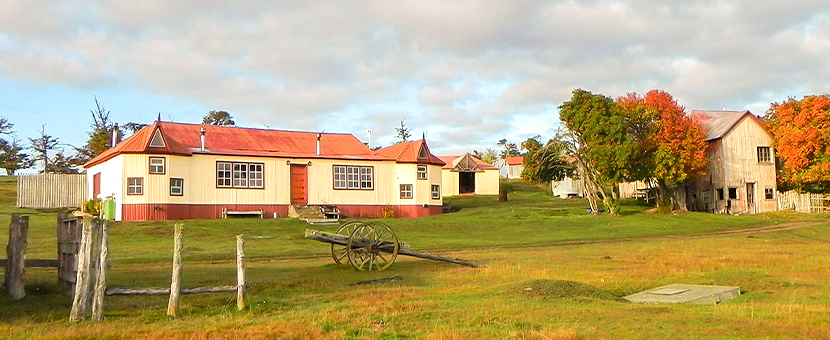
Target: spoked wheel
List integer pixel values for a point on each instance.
(372, 246)
(338, 252)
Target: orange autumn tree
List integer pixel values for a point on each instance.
(801, 138)
(672, 146)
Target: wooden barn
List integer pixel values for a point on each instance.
(740, 178)
(183, 171)
(469, 175)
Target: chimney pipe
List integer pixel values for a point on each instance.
(203, 138)
(114, 135)
(318, 143)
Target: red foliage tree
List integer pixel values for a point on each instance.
(673, 147)
(801, 137)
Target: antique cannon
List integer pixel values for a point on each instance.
(370, 246)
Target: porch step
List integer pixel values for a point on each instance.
(310, 214)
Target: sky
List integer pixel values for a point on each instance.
(465, 74)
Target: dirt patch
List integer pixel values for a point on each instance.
(563, 289)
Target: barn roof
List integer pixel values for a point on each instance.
(718, 123)
(185, 139)
(516, 160)
(410, 152)
(452, 162)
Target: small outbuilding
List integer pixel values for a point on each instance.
(469, 175)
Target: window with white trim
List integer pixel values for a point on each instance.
(240, 175)
(422, 172)
(255, 175)
(769, 193)
(223, 175)
(436, 191)
(406, 190)
(157, 165)
(135, 186)
(347, 177)
(176, 187)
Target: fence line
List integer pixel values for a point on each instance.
(805, 203)
(49, 191)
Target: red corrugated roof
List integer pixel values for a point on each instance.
(408, 152)
(516, 160)
(449, 160)
(184, 139)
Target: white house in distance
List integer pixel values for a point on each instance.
(468, 175)
(740, 178)
(515, 165)
(169, 171)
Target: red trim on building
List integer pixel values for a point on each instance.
(152, 212)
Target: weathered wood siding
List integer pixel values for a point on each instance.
(733, 163)
(48, 191)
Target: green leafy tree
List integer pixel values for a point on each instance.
(545, 163)
(509, 149)
(403, 133)
(603, 145)
(100, 137)
(42, 147)
(218, 118)
(13, 157)
(488, 155)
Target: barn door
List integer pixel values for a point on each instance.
(466, 182)
(750, 198)
(299, 184)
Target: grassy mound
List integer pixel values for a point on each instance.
(563, 289)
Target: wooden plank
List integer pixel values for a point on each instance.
(16, 252)
(164, 291)
(175, 284)
(240, 272)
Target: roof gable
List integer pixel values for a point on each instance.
(718, 123)
(410, 152)
(453, 163)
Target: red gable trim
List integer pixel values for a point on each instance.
(408, 152)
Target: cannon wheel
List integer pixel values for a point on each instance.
(338, 252)
(372, 246)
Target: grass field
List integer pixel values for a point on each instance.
(552, 272)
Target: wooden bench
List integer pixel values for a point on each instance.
(330, 211)
(226, 213)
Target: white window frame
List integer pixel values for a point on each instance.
(224, 174)
(436, 191)
(764, 154)
(256, 175)
(367, 177)
(157, 165)
(177, 187)
(339, 177)
(407, 191)
(422, 172)
(353, 177)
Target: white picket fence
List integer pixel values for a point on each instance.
(806, 203)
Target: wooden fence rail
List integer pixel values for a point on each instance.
(805, 203)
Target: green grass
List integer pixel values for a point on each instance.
(576, 266)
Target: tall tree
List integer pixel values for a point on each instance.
(101, 135)
(5, 126)
(545, 163)
(602, 143)
(12, 157)
(488, 155)
(672, 147)
(509, 149)
(42, 146)
(403, 133)
(801, 137)
(218, 118)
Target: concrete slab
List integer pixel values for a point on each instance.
(683, 293)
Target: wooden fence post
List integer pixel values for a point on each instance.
(240, 272)
(16, 256)
(80, 302)
(101, 281)
(175, 283)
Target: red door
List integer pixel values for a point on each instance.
(299, 184)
